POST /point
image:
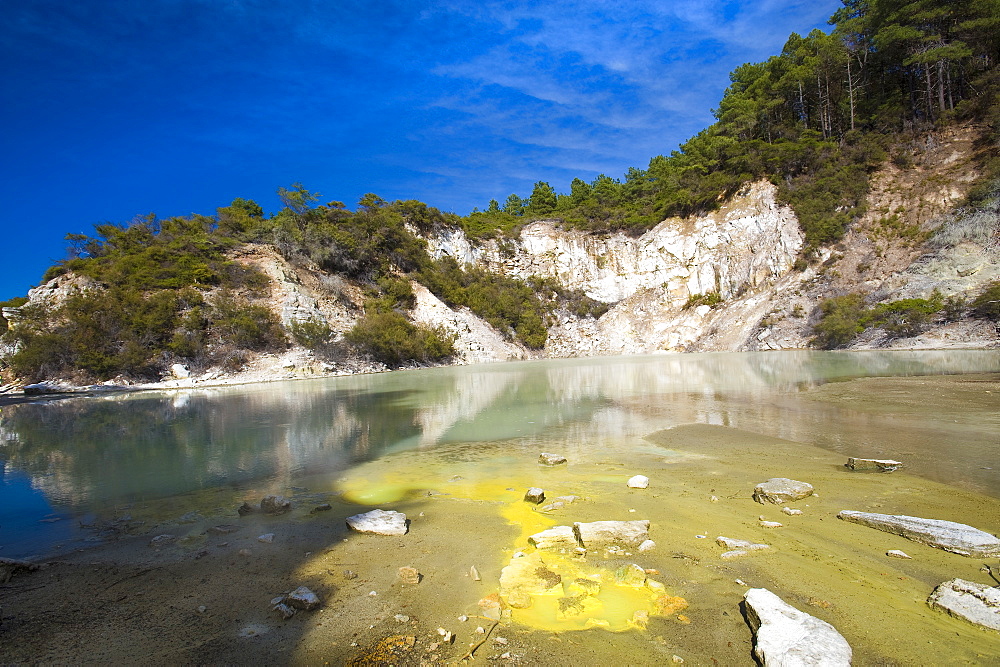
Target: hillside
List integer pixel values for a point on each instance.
(847, 196)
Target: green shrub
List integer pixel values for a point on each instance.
(312, 334)
(508, 304)
(987, 304)
(840, 322)
(236, 321)
(392, 339)
(711, 299)
(903, 318)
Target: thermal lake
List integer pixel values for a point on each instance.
(96, 478)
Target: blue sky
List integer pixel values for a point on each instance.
(111, 109)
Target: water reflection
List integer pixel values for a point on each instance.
(84, 453)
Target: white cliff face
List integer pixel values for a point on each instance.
(748, 242)
(739, 251)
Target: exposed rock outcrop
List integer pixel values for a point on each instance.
(948, 535)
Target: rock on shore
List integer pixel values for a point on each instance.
(621, 533)
(781, 490)
(379, 522)
(788, 637)
(948, 535)
(976, 603)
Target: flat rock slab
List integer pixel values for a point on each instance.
(559, 537)
(745, 545)
(948, 535)
(976, 603)
(622, 533)
(881, 465)
(379, 522)
(780, 490)
(788, 637)
(547, 459)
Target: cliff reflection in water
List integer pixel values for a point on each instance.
(87, 451)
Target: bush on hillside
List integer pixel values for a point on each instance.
(390, 338)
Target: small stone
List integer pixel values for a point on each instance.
(463, 618)
(284, 610)
(372, 594)
(266, 538)
(409, 575)
(378, 522)
(302, 598)
(714, 499)
(790, 512)
(325, 507)
(202, 609)
(734, 553)
(534, 495)
(350, 574)
(647, 545)
(480, 630)
(771, 524)
(896, 553)
(162, 541)
(881, 465)
(677, 659)
(278, 600)
(638, 482)
(474, 573)
(746, 545)
(402, 618)
(245, 552)
(275, 505)
(500, 640)
(246, 508)
(551, 459)
(778, 490)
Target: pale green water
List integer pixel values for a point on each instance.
(455, 448)
(109, 456)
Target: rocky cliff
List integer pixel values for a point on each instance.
(910, 242)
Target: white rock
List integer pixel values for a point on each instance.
(379, 522)
(734, 553)
(647, 545)
(551, 459)
(948, 535)
(882, 465)
(788, 637)
(896, 553)
(266, 538)
(534, 495)
(746, 545)
(180, 371)
(778, 490)
(559, 537)
(976, 603)
(638, 482)
(771, 524)
(790, 511)
(598, 533)
(302, 598)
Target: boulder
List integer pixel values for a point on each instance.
(534, 495)
(976, 603)
(621, 533)
(786, 636)
(559, 537)
(525, 577)
(881, 465)
(630, 575)
(780, 490)
(638, 482)
(180, 371)
(275, 505)
(547, 459)
(379, 522)
(948, 535)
